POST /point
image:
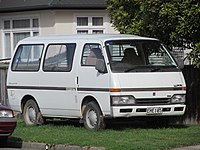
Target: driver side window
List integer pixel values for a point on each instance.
(91, 52)
(157, 55)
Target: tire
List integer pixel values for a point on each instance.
(3, 141)
(31, 113)
(92, 117)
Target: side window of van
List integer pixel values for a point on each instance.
(91, 52)
(27, 58)
(59, 57)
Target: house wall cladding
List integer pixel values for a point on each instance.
(192, 78)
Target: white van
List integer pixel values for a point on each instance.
(94, 78)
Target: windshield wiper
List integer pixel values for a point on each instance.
(138, 69)
(143, 68)
(163, 68)
(151, 68)
(130, 69)
(155, 69)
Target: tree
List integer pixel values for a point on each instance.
(176, 23)
(195, 55)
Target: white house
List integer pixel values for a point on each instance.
(23, 18)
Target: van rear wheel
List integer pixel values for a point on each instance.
(92, 117)
(31, 113)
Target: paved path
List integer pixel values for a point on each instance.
(43, 146)
(196, 147)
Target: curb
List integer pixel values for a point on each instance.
(44, 146)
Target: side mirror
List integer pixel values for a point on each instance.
(180, 63)
(101, 66)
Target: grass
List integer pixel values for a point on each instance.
(120, 137)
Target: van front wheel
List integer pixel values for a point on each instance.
(31, 113)
(92, 117)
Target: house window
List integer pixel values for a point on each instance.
(7, 24)
(19, 36)
(35, 23)
(24, 23)
(97, 21)
(15, 30)
(7, 44)
(82, 31)
(97, 31)
(82, 21)
(90, 25)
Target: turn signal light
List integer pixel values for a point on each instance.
(184, 88)
(115, 90)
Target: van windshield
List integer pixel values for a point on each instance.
(139, 56)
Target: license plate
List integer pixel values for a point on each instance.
(154, 110)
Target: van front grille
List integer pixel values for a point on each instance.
(153, 101)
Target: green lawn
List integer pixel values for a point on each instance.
(117, 137)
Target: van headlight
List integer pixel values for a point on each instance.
(6, 114)
(122, 100)
(178, 99)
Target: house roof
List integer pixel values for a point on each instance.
(27, 5)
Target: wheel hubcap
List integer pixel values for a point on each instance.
(91, 118)
(31, 114)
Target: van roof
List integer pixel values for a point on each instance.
(102, 37)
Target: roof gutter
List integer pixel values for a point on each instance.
(34, 8)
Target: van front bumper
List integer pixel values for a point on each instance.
(157, 110)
